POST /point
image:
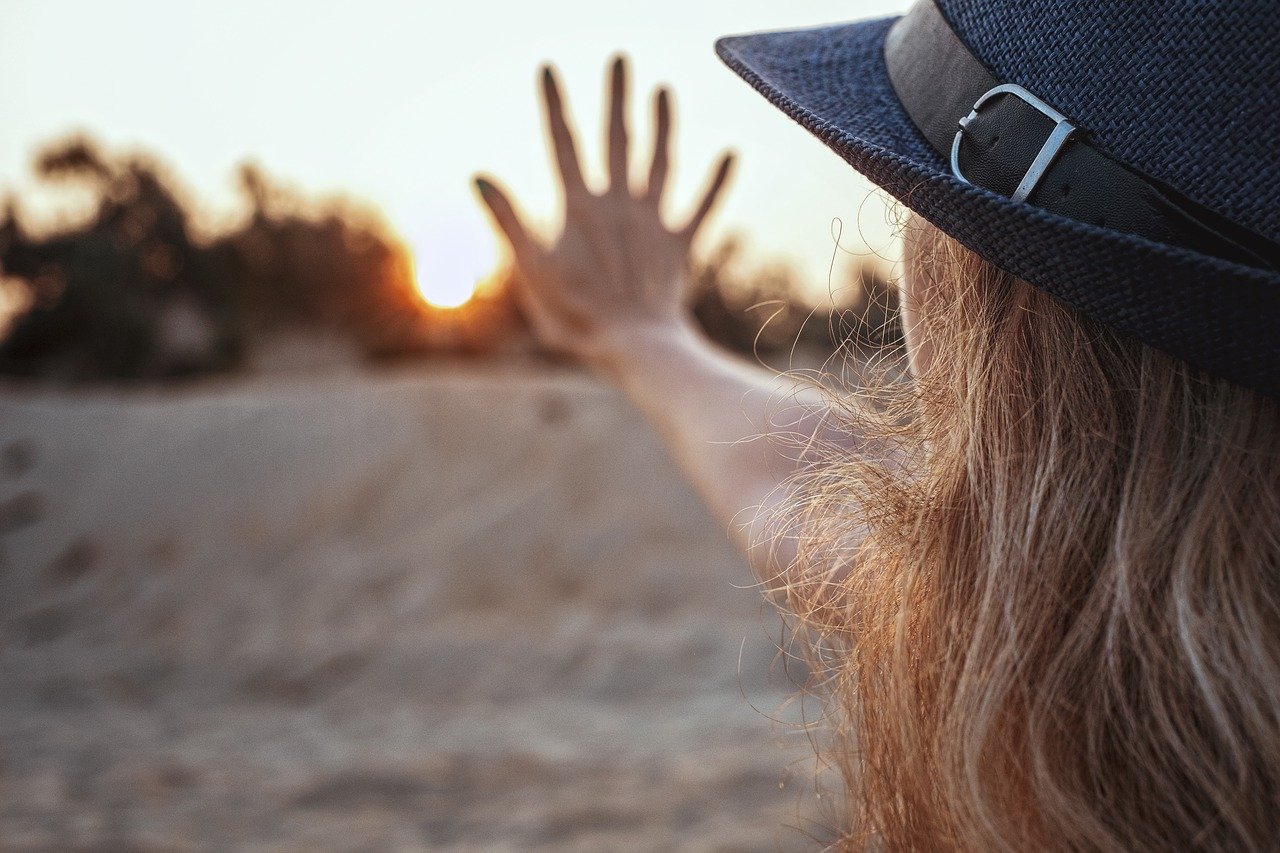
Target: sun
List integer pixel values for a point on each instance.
(443, 293)
(450, 264)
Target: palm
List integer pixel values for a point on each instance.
(615, 263)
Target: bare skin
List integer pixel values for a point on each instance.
(611, 292)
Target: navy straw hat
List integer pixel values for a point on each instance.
(1123, 156)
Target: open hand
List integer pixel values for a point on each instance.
(616, 266)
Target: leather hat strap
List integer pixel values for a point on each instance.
(1003, 138)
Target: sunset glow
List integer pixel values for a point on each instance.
(452, 260)
(427, 95)
(443, 292)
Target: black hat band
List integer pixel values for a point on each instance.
(1005, 139)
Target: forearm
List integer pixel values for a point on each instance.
(736, 430)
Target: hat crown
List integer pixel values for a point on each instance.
(1184, 91)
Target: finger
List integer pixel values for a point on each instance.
(661, 164)
(617, 133)
(504, 214)
(529, 256)
(562, 144)
(709, 198)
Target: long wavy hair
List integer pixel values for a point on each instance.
(1060, 625)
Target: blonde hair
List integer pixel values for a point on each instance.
(1061, 629)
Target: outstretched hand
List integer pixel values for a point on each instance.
(616, 266)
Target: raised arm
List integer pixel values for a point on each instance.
(611, 290)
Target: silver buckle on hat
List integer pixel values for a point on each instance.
(1048, 152)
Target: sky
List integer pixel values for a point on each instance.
(399, 103)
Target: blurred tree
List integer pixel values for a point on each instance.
(335, 268)
(127, 294)
(323, 267)
(758, 310)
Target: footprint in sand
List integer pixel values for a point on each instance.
(17, 458)
(25, 507)
(74, 561)
(20, 510)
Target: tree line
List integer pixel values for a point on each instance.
(131, 292)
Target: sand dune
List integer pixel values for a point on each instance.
(450, 609)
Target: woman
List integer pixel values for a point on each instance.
(1042, 577)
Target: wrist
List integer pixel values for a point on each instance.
(622, 349)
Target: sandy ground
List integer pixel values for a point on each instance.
(446, 609)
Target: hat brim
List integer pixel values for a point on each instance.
(1213, 313)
